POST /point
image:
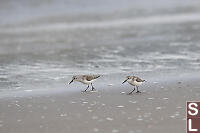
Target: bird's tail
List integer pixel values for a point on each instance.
(96, 76)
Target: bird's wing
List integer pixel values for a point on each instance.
(89, 78)
(139, 80)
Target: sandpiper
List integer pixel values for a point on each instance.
(85, 79)
(135, 81)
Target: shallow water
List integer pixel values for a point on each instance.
(44, 43)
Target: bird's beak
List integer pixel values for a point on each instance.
(71, 81)
(125, 81)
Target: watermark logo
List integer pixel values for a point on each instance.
(193, 117)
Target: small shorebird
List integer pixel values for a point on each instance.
(85, 79)
(135, 81)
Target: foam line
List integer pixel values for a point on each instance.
(117, 23)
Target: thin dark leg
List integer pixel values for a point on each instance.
(92, 87)
(131, 91)
(137, 90)
(86, 88)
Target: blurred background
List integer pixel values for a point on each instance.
(43, 42)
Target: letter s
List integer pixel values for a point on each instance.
(193, 108)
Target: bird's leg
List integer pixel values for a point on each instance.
(131, 91)
(138, 90)
(86, 88)
(92, 87)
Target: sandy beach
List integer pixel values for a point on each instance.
(44, 43)
(159, 108)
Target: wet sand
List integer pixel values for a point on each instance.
(159, 108)
(44, 43)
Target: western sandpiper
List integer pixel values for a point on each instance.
(135, 81)
(85, 79)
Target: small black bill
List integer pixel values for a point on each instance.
(125, 81)
(71, 81)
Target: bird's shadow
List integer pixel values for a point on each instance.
(90, 91)
(134, 93)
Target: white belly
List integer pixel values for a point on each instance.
(134, 83)
(86, 82)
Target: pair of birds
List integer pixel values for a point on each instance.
(88, 79)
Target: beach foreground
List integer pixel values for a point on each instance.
(44, 43)
(159, 108)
